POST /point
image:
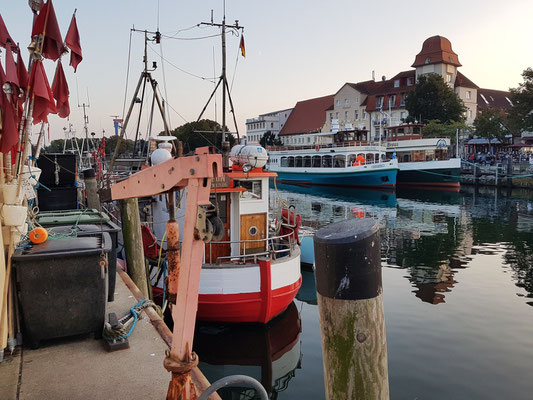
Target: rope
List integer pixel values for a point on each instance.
(280, 199)
(130, 318)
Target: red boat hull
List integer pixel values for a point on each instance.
(246, 307)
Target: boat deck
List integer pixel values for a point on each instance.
(81, 368)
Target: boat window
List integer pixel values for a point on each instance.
(351, 159)
(307, 161)
(419, 155)
(369, 158)
(253, 189)
(339, 161)
(316, 162)
(291, 162)
(284, 162)
(327, 161)
(298, 162)
(221, 203)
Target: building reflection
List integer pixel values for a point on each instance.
(271, 354)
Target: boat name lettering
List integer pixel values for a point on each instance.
(220, 181)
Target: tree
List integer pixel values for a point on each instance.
(269, 139)
(433, 99)
(202, 133)
(126, 145)
(521, 113)
(435, 128)
(490, 123)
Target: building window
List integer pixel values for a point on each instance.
(410, 81)
(428, 60)
(470, 114)
(392, 101)
(272, 125)
(356, 115)
(337, 115)
(402, 101)
(337, 102)
(356, 101)
(330, 116)
(448, 78)
(403, 115)
(468, 94)
(379, 102)
(397, 83)
(364, 115)
(346, 115)
(346, 102)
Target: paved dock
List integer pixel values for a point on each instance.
(81, 368)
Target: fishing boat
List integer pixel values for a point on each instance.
(251, 270)
(334, 159)
(422, 161)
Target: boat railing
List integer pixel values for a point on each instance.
(275, 247)
(320, 146)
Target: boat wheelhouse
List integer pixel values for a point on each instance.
(422, 161)
(336, 158)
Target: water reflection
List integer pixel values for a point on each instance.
(432, 234)
(271, 354)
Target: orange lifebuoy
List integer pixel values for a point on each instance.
(38, 235)
(359, 160)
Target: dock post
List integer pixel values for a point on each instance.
(350, 303)
(93, 201)
(133, 245)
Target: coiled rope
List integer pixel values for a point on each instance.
(127, 322)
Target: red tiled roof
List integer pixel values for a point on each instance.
(439, 50)
(463, 81)
(488, 98)
(307, 116)
(366, 87)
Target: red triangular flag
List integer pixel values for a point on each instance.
(11, 71)
(43, 103)
(22, 72)
(60, 90)
(4, 34)
(10, 135)
(46, 23)
(73, 42)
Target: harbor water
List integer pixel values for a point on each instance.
(458, 298)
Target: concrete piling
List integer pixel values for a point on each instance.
(349, 286)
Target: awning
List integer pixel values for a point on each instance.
(483, 141)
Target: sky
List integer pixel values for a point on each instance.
(295, 50)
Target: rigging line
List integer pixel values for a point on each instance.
(183, 30)
(158, 15)
(167, 115)
(180, 69)
(234, 72)
(214, 73)
(173, 109)
(127, 77)
(192, 38)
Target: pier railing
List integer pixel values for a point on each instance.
(320, 146)
(275, 247)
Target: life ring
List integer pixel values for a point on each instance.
(359, 160)
(317, 147)
(290, 223)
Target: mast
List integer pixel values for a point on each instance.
(225, 87)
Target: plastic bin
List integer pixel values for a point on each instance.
(58, 198)
(71, 217)
(62, 288)
(66, 172)
(84, 230)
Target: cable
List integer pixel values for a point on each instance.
(192, 38)
(181, 69)
(127, 77)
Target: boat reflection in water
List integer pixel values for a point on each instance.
(307, 292)
(269, 353)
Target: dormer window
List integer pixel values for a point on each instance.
(468, 94)
(397, 83)
(428, 60)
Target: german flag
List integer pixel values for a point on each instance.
(241, 46)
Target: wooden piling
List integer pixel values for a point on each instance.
(91, 187)
(133, 245)
(348, 275)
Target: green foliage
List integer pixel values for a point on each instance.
(433, 99)
(126, 146)
(435, 128)
(521, 114)
(269, 139)
(491, 123)
(202, 133)
(55, 146)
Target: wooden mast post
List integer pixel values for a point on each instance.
(195, 173)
